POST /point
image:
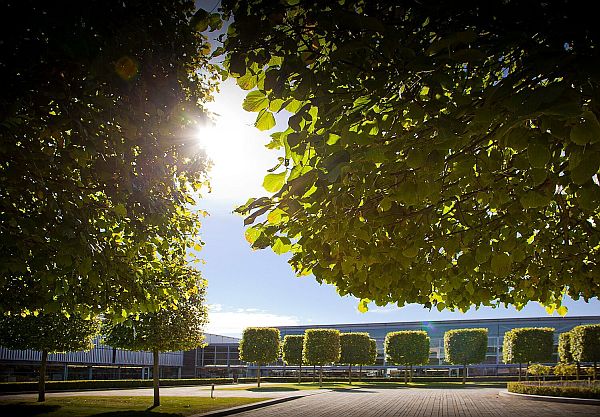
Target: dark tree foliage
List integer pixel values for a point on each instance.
(564, 348)
(443, 153)
(528, 344)
(48, 333)
(177, 327)
(97, 161)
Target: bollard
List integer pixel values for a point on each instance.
(212, 391)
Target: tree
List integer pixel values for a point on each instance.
(179, 327)
(564, 347)
(372, 356)
(292, 352)
(260, 345)
(465, 346)
(100, 166)
(321, 347)
(408, 348)
(528, 344)
(48, 333)
(585, 344)
(355, 348)
(436, 153)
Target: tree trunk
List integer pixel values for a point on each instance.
(320, 375)
(155, 378)
(405, 374)
(527, 372)
(258, 375)
(360, 374)
(519, 371)
(42, 377)
(578, 371)
(300, 374)
(410, 374)
(314, 373)
(350, 374)
(464, 373)
(595, 370)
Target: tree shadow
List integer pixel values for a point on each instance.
(353, 390)
(26, 409)
(135, 413)
(271, 389)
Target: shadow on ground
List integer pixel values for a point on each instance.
(271, 389)
(26, 409)
(34, 409)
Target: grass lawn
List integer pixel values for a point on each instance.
(277, 387)
(118, 406)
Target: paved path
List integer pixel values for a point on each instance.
(420, 402)
(190, 391)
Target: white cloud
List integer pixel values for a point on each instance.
(234, 321)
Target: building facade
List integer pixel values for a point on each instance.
(220, 356)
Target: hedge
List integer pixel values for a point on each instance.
(583, 391)
(417, 379)
(107, 384)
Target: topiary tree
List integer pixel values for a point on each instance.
(321, 346)
(564, 347)
(355, 349)
(408, 348)
(292, 352)
(48, 333)
(167, 330)
(372, 356)
(465, 346)
(260, 345)
(528, 344)
(585, 344)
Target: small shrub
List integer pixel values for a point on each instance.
(582, 391)
(564, 369)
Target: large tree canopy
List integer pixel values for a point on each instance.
(97, 163)
(438, 153)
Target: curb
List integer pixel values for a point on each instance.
(249, 407)
(566, 400)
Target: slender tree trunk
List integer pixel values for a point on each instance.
(410, 374)
(595, 370)
(360, 374)
(519, 371)
(578, 371)
(527, 372)
(464, 373)
(42, 377)
(320, 375)
(405, 374)
(300, 375)
(258, 375)
(350, 374)
(156, 378)
(314, 373)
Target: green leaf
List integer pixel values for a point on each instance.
(501, 264)
(533, 199)
(587, 167)
(120, 210)
(538, 155)
(265, 120)
(255, 101)
(363, 305)
(273, 182)
(251, 234)
(281, 245)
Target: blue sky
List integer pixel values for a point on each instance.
(256, 288)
